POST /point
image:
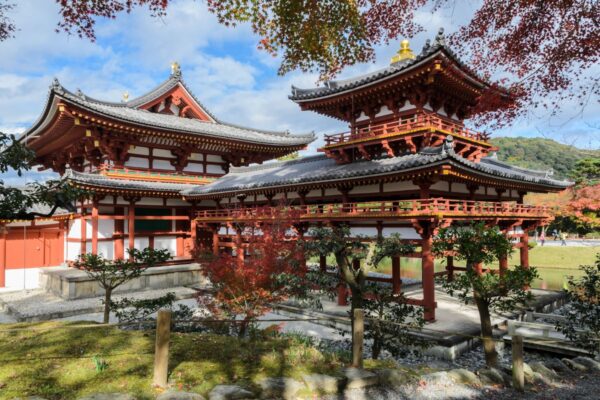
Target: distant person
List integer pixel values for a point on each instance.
(563, 239)
(555, 234)
(542, 238)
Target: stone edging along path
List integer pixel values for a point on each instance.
(354, 383)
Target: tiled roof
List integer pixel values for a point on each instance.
(102, 181)
(129, 112)
(429, 52)
(320, 168)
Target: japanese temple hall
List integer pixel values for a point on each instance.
(166, 173)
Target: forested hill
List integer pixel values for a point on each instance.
(539, 153)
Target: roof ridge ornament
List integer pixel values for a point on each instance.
(448, 146)
(440, 39)
(426, 47)
(56, 86)
(405, 53)
(175, 69)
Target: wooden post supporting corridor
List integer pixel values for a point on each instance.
(517, 363)
(161, 351)
(358, 332)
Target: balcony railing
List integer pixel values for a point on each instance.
(402, 209)
(420, 121)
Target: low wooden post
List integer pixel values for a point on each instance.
(161, 351)
(358, 332)
(517, 363)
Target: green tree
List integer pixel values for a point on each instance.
(586, 171)
(17, 202)
(477, 245)
(111, 274)
(582, 319)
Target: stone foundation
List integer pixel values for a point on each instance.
(70, 283)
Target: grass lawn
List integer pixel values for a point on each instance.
(559, 257)
(55, 361)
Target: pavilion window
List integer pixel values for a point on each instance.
(152, 225)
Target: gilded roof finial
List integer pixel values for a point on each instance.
(175, 68)
(125, 96)
(405, 53)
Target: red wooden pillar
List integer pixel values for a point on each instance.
(323, 263)
(83, 249)
(450, 267)
(193, 232)
(396, 282)
(120, 231)
(428, 283)
(95, 227)
(239, 249)
(342, 294)
(215, 240)
(2, 256)
(131, 225)
(524, 249)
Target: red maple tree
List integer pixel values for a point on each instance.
(244, 289)
(585, 205)
(544, 52)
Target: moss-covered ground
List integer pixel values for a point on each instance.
(55, 360)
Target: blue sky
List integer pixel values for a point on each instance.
(221, 65)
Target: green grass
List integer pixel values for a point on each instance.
(559, 257)
(56, 361)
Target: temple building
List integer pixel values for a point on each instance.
(167, 174)
(136, 156)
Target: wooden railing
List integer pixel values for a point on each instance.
(417, 122)
(443, 208)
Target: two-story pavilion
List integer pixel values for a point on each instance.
(407, 165)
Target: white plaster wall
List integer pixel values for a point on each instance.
(106, 200)
(214, 158)
(107, 249)
(399, 186)
(214, 169)
(194, 167)
(362, 117)
(73, 250)
(207, 203)
(106, 228)
(261, 197)
(223, 230)
(441, 185)
(162, 164)
(143, 151)
(458, 187)
(166, 243)
(105, 210)
(162, 153)
(314, 193)
(365, 189)
(122, 201)
(481, 190)
(177, 202)
(332, 192)
(407, 106)
(75, 229)
(384, 111)
(140, 243)
(196, 156)
(22, 278)
(137, 162)
(149, 201)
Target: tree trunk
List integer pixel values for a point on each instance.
(377, 339)
(107, 295)
(489, 347)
